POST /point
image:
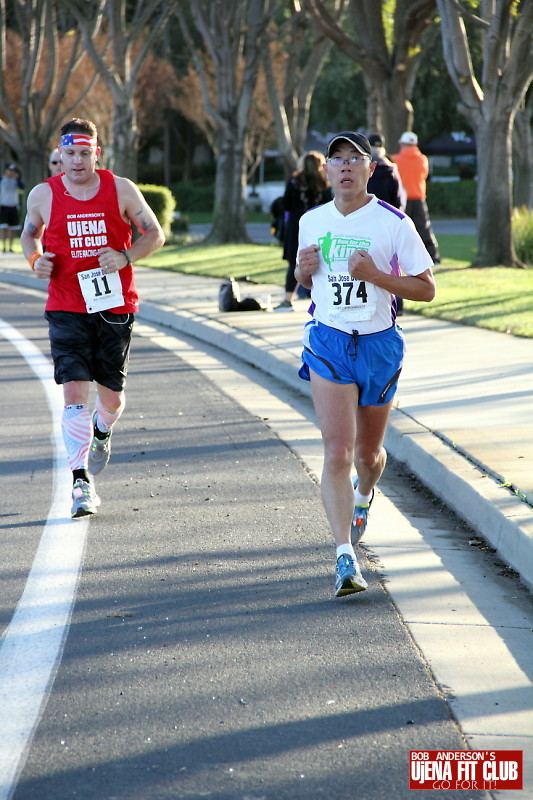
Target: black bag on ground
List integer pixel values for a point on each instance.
(229, 298)
(249, 304)
(229, 295)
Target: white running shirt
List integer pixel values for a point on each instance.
(387, 234)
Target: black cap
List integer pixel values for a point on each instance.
(359, 141)
(376, 140)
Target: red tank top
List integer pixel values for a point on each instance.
(76, 231)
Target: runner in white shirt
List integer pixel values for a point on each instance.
(356, 254)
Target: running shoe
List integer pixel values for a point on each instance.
(285, 305)
(360, 518)
(348, 578)
(99, 452)
(85, 501)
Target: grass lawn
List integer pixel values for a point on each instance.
(497, 298)
(261, 263)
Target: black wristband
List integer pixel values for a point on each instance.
(127, 257)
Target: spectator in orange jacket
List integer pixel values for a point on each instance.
(414, 170)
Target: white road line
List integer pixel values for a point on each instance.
(32, 646)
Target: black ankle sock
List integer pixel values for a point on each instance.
(80, 473)
(100, 434)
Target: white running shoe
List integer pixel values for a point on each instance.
(85, 501)
(99, 452)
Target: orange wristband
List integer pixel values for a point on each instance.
(33, 258)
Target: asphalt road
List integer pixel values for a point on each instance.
(205, 655)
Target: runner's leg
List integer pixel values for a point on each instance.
(335, 406)
(370, 455)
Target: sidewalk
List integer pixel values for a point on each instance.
(463, 419)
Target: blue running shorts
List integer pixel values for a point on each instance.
(373, 361)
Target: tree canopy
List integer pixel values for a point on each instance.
(490, 102)
(244, 74)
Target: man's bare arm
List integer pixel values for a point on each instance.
(420, 287)
(135, 209)
(141, 215)
(33, 229)
(30, 239)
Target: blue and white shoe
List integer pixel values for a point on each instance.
(360, 518)
(348, 578)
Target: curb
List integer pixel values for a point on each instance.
(475, 495)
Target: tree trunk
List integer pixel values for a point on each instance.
(523, 156)
(229, 211)
(33, 170)
(30, 162)
(125, 141)
(233, 33)
(494, 206)
(30, 159)
(491, 107)
(389, 67)
(396, 110)
(286, 147)
(388, 109)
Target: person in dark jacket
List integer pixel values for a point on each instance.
(307, 187)
(385, 181)
(386, 184)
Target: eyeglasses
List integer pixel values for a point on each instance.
(337, 161)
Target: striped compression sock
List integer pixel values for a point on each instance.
(76, 425)
(106, 419)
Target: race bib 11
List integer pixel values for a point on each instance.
(100, 290)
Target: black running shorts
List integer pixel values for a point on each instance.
(9, 217)
(90, 347)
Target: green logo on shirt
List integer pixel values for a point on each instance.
(339, 248)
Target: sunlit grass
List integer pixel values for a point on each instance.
(457, 251)
(261, 263)
(497, 298)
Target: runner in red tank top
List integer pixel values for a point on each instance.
(87, 215)
(75, 233)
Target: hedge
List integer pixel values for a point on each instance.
(194, 196)
(162, 202)
(522, 222)
(452, 199)
(444, 199)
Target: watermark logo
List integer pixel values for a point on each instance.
(467, 770)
